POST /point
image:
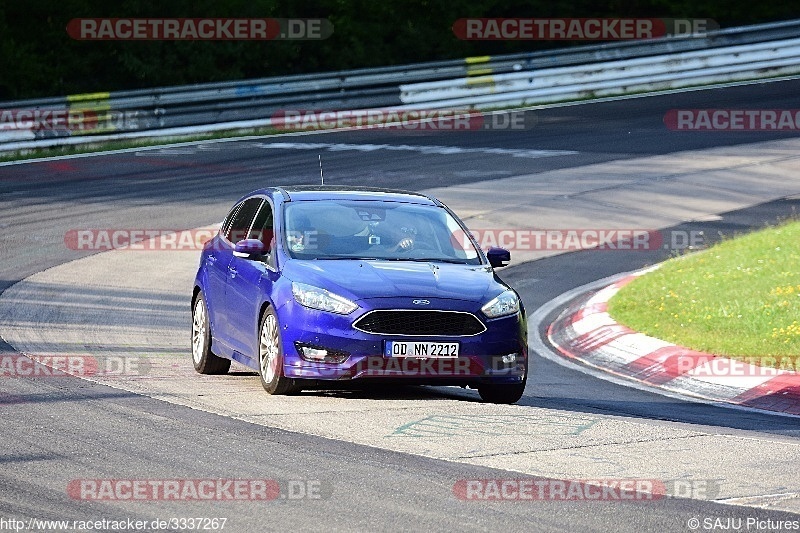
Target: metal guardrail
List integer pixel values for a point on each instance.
(660, 72)
(526, 78)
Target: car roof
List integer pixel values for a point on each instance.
(332, 192)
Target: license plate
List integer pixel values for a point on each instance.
(421, 349)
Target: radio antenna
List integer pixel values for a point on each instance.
(321, 177)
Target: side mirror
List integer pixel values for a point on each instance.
(498, 257)
(249, 249)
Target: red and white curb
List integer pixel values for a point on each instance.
(586, 332)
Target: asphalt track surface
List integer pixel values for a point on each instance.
(70, 428)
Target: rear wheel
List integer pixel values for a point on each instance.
(205, 361)
(270, 357)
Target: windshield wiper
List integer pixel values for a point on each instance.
(326, 257)
(430, 260)
(410, 259)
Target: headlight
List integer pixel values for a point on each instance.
(321, 299)
(504, 304)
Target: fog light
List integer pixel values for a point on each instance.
(510, 358)
(315, 354)
(319, 354)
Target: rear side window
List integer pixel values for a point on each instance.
(242, 219)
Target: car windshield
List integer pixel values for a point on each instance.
(383, 230)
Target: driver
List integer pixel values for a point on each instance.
(407, 238)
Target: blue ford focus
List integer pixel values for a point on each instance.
(309, 285)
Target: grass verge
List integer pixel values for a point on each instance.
(740, 298)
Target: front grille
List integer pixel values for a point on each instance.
(420, 323)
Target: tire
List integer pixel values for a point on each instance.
(270, 357)
(502, 393)
(205, 361)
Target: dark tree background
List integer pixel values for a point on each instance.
(38, 58)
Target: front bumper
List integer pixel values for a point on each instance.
(481, 357)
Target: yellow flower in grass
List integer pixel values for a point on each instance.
(790, 331)
(785, 290)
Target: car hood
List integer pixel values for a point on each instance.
(356, 279)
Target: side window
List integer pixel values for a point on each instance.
(263, 226)
(226, 224)
(240, 224)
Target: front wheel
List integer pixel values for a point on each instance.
(205, 361)
(502, 393)
(270, 357)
